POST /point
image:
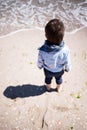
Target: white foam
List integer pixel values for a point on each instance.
(30, 14)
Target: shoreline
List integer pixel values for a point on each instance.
(41, 29)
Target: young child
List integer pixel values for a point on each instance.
(54, 55)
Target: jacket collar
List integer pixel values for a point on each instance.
(50, 47)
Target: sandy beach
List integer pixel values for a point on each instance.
(24, 102)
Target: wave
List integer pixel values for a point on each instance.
(27, 14)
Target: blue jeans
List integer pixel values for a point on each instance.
(49, 75)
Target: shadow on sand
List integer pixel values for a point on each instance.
(25, 91)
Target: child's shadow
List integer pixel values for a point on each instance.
(24, 91)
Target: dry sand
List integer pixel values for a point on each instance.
(24, 102)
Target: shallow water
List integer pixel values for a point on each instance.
(27, 14)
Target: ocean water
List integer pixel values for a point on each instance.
(16, 15)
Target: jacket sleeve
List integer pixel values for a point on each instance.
(40, 60)
(67, 62)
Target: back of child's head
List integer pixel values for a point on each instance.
(54, 31)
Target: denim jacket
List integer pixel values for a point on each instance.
(53, 57)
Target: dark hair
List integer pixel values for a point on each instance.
(54, 31)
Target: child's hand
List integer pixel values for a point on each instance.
(40, 67)
(66, 70)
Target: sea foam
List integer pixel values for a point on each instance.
(27, 14)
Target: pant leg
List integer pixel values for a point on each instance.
(48, 76)
(58, 77)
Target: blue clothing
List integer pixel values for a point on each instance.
(54, 58)
(49, 75)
